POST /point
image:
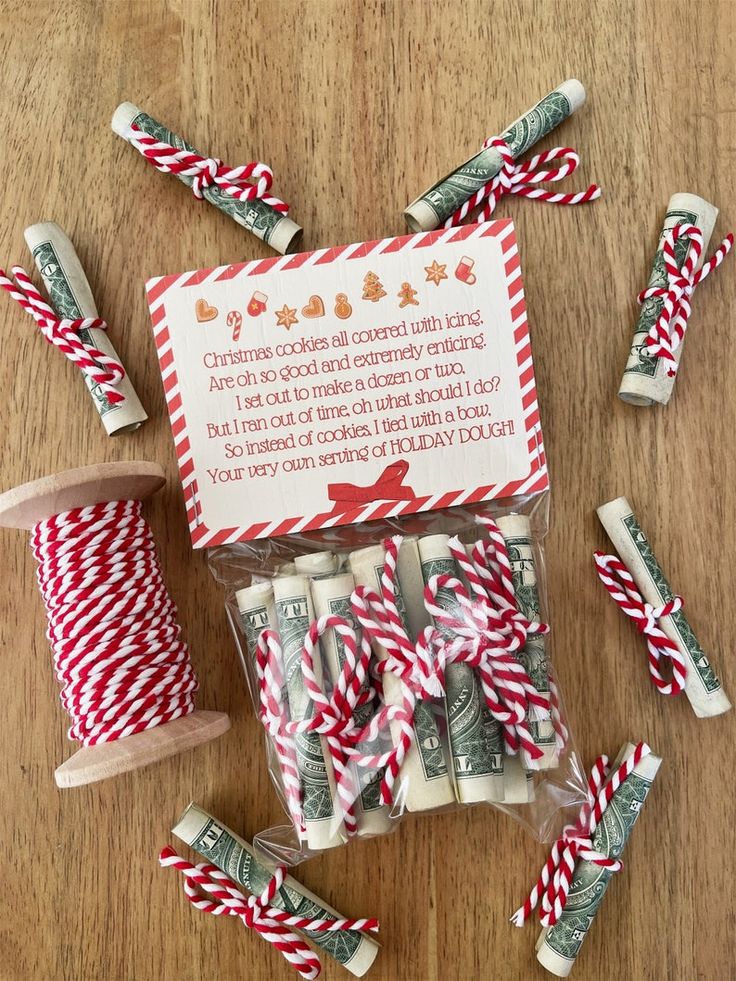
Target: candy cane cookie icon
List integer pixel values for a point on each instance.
(235, 320)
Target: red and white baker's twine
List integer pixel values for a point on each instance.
(206, 172)
(333, 717)
(102, 369)
(522, 178)
(117, 647)
(412, 664)
(208, 889)
(488, 632)
(553, 886)
(668, 331)
(619, 582)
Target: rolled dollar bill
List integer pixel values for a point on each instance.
(331, 597)
(71, 298)
(476, 739)
(517, 533)
(258, 613)
(702, 686)
(267, 224)
(559, 945)
(423, 774)
(257, 610)
(437, 203)
(646, 379)
(316, 564)
(294, 613)
(236, 858)
(518, 783)
(409, 573)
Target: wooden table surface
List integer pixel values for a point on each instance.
(358, 106)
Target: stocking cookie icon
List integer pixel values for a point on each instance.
(343, 310)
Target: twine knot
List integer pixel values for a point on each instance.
(668, 331)
(521, 178)
(210, 168)
(248, 182)
(100, 368)
(620, 584)
(552, 888)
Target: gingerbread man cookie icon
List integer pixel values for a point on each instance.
(343, 310)
(407, 295)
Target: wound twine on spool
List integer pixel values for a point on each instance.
(127, 681)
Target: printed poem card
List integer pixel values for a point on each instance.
(350, 383)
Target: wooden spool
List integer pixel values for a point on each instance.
(23, 507)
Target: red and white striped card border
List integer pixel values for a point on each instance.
(535, 482)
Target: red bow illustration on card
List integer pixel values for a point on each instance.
(389, 487)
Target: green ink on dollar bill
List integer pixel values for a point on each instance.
(534, 655)
(66, 306)
(535, 124)
(641, 361)
(476, 738)
(254, 622)
(705, 672)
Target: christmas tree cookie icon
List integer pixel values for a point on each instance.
(372, 287)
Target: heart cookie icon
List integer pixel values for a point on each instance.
(204, 312)
(315, 308)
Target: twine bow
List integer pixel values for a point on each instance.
(576, 842)
(522, 178)
(274, 925)
(100, 368)
(667, 332)
(619, 582)
(205, 172)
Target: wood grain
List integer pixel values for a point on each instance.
(358, 106)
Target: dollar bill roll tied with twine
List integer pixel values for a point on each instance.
(517, 532)
(331, 595)
(585, 858)
(424, 780)
(229, 189)
(476, 741)
(438, 203)
(702, 686)
(284, 606)
(70, 322)
(349, 944)
(649, 377)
